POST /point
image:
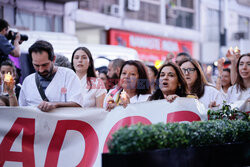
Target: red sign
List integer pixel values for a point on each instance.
(149, 48)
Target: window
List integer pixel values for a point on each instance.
(34, 21)
(212, 27)
(58, 24)
(149, 11)
(187, 4)
(44, 23)
(24, 21)
(180, 13)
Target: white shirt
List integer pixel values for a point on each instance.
(224, 94)
(211, 94)
(98, 89)
(64, 78)
(134, 99)
(234, 95)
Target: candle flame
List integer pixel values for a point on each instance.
(8, 77)
(236, 49)
(123, 95)
(209, 69)
(110, 99)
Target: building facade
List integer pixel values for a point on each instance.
(203, 28)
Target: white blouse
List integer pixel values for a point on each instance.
(98, 89)
(211, 94)
(236, 95)
(224, 94)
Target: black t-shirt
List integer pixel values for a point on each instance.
(5, 48)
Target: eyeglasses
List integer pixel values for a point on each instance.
(188, 70)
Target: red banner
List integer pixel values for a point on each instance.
(149, 48)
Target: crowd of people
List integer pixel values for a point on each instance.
(79, 85)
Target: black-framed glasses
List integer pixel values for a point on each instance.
(188, 70)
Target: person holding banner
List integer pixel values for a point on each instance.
(170, 83)
(51, 86)
(133, 87)
(94, 89)
(198, 85)
(241, 89)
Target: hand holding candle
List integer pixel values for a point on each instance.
(8, 77)
(236, 49)
(9, 83)
(110, 103)
(233, 54)
(125, 100)
(110, 100)
(123, 95)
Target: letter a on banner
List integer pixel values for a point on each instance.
(27, 156)
(90, 137)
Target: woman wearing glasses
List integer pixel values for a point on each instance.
(198, 85)
(170, 83)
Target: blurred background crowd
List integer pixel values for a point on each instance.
(153, 32)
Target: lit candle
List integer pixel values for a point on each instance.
(8, 77)
(209, 69)
(236, 49)
(123, 95)
(110, 100)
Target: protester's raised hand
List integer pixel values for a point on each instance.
(169, 58)
(220, 65)
(233, 55)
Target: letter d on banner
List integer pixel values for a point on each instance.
(90, 137)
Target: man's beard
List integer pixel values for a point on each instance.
(114, 76)
(46, 74)
(114, 80)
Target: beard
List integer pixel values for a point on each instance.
(114, 80)
(46, 73)
(114, 76)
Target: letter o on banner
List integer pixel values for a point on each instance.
(123, 122)
(179, 116)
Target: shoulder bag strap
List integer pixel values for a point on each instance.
(41, 91)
